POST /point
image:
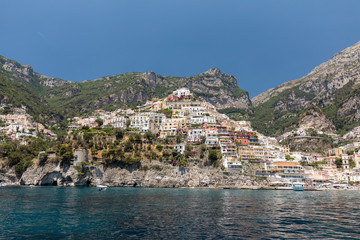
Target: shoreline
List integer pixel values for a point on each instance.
(196, 188)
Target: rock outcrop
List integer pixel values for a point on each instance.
(165, 176)
(317, 120)
(333, 86)
(219, 89)
(309, 144)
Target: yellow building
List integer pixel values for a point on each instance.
(287, 167)
(169, 126)
(253, 153)
(158, 106)
(335, 152)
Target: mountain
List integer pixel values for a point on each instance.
(334, 87)
(328, 98)
(20, 86)
(63, 98)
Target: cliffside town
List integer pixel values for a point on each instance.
(144, 124)
(177, 141)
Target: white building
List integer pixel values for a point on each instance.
(209, 119)
(196, 110)
(180, 148)
(194, 135)
(212, 138)
(230, 157)
(197, 119)
(182, 92)
(140, 121)
(118, 122)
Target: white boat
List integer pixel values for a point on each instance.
(101, 187)
(298, 186)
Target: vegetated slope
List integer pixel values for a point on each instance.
(17, 94)
(131, 89)
(124, 90)
(333, 87)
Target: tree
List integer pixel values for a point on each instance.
(203, 147)
(338, 162)
(183, 163)
(128, 122)
(350, 152)
(149, 136)
(213, 155)
(167, 112)
(128, 147)
(188, 147)
(159, 147)
(99, 121)
(137, 137)
(351, 163)
(178, 138)
(119, 133)
(65, 153)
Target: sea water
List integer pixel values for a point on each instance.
(145, 213)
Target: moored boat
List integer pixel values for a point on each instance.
(101, 187)
(298, 186)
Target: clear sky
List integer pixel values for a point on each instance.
(262, 42)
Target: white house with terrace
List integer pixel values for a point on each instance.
(194, 135)
(182, 92)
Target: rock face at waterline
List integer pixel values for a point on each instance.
(162, 176)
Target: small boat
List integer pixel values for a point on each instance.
(101, 187)
(298, 186)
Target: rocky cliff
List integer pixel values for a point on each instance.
(15, 71)
(219, 89)
(332, 86)
(322, 81)
(155, 176)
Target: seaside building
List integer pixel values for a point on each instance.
(291, 171)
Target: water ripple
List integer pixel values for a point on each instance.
(132, 213)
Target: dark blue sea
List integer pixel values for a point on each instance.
(144, 213)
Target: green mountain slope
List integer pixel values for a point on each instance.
(16, 94)
(111, 92)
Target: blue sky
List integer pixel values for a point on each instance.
(262, 42)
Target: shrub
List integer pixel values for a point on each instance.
(188, 147)
(183, 163)
(159, 147)
(157, 167)
(144, 168)
(338, 162)
(99, 121)
(128, 147)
